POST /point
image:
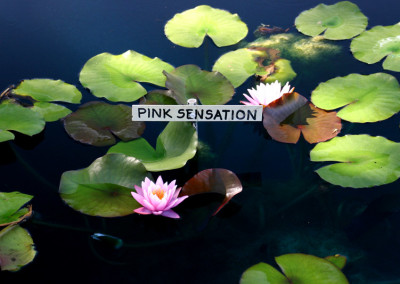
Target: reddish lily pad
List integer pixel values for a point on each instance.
(96, 123)
(287, 119)
(214, 180)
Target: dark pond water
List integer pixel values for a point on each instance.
(284, 207)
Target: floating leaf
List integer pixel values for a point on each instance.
(158, 97)
(47, 90)
(49, 111)
(108, 240)
(368, 98)
(302, 268)
(263, 273)
(363, 161)
(175, 146)
(10, 204)
(373, 45)
(104, 188)
(237, 65)
(219, 181)
(189, 28)
(338, 260)
(16, 248)
(115, 77)
(17, 118)
(281, 71)
(189, 81)
(342, 20)
(292, 115)
(96, 123)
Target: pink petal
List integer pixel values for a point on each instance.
(159, 181)
(138, 198)
(176, 202)
(170, 214)
(139, 190)
(143, 211)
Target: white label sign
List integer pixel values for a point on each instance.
(196, 113)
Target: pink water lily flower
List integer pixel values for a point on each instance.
(157, 198)
(264, 94)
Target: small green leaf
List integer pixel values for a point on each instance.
(104, 188)
(47, 90)
(6, 135)
(189, 81)
(302, 268)
(342, 20)
(283, 72)
(363, 161)
(189, 28)
(263, 273)
(17, 118)
(373, 45)
(16, 248)
(50, 111)
(338, 260)
(175, 146)
(367, 98)
(10, 204)
(115, 77)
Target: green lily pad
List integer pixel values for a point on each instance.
(368, 98)
(237, 65)
(338, 260)
(282, 72)
(50, 111)
(189, 81)
(263, 273)
(116, 77)
(342, 20)
(96, 123)
(373, 45)
(16, 248)
(104, 188)
(47, 90)
(16, 117)
(10, 207)
(220, 181)
(158, 97)
(175, 146)
(301, 268)
(189, 28)
(363, 161)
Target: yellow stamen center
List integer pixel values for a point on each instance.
(159, 192)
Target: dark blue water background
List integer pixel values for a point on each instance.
(53, 39)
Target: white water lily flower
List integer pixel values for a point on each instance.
(264, 94)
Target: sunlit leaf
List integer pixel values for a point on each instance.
(263, 273)
(189, 81)
(342, 20)
(189, 28)
(362, 160)
(96, 123)
(50, 111)
(17, 118)
(116, 77)
(373, 45)
(175, 146)
(10, 207)
(237, 65)
(104, 188)
(281, 71)
(367, 98)
(338, 260)
(16, 248)
(47, 90)
(302, 268)
(219, 181)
